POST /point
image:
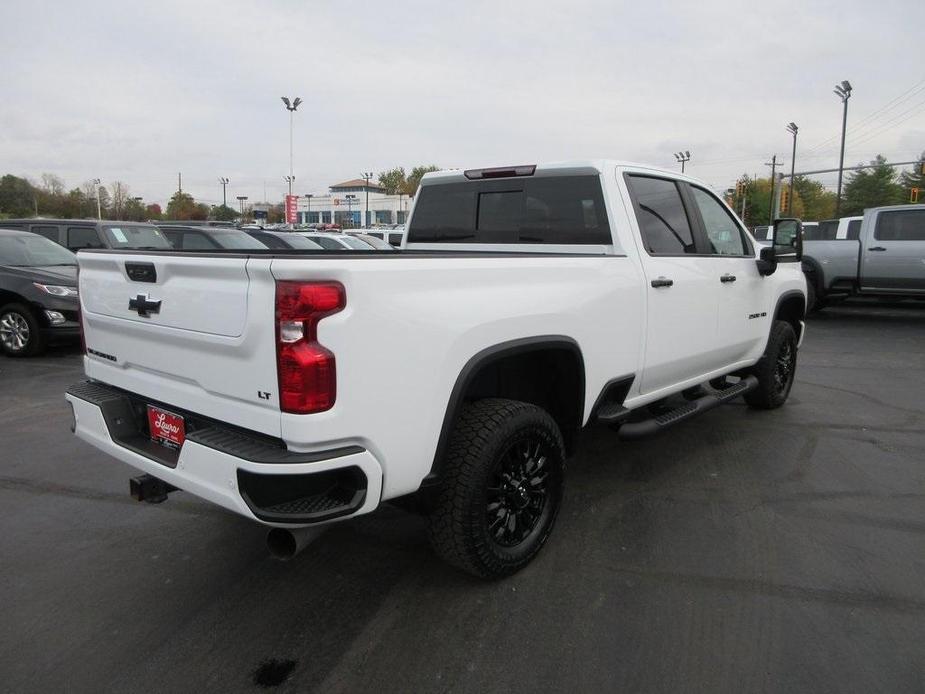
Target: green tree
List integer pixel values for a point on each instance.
(394, 180)
(414, 179)
(182, 206)
(17, 196)
(914, 178)
(223, 213)
(871, 187)
(818, 203)
(133, 210)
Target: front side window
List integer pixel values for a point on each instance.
(83, 237)
(661, 215)
(722, 231)
(901, 225)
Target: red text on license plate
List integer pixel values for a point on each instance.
(166, 427)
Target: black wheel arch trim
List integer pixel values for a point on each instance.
(471, 369)
(786, 296)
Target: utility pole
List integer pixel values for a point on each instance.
(773, 164)
(792, 129)
(683, 158)
(99, 209)
(366, 176)
(843, 91)
(224, 182)
(179, 183)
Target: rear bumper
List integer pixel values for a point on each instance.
(243, 474)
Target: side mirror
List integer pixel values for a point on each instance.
(767, 261)
(788, 240)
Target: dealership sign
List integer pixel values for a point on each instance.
(292, 202)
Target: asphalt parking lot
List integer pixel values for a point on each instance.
(742, 551)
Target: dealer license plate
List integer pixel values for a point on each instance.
(167, 428)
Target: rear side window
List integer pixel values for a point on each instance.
(854, 230)
(901, 225)
(662, 218)
(83, 237)
(49, 232)
(554, 209)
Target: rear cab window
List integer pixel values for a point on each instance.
(517, 210)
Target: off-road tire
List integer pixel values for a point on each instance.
(22, 315)
(487, 439)
(773, 385)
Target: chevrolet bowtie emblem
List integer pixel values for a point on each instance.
(144, 305)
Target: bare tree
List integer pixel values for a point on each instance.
(119, 194)
(52, 185)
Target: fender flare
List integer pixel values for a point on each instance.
(813, 265)
(484, 358)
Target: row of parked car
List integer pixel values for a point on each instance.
(38, 268)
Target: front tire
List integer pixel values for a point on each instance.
(501, 488)
(20, 332)
(776, 369)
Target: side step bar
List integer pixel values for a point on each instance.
(637, 430)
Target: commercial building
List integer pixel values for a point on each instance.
(345, 202)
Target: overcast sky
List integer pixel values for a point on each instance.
(137, 91)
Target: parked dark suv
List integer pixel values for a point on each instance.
(75, 234)
(38, 293)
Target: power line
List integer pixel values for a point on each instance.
(865, 122)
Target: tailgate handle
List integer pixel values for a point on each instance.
(141, 272)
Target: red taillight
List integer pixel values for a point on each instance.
(306, 369)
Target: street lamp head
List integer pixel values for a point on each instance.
(846, 85)
(286, 101)
(687, 154)
(792, 128)
(295, 104)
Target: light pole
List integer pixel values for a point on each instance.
(844, 93)
(350, 199)
(792, 129)
(224, 182)
(291, 107)
(366, 176)
(682, 158)
(308, 199)
(99, 209)
(290, 180)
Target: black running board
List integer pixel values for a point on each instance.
(637, 430)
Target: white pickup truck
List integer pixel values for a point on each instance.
(527, 302)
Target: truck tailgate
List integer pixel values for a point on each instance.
(193, 332)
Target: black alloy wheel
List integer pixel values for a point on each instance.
(516, 497)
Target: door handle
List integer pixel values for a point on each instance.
(662, 282)
(877, 248)
(727, 278)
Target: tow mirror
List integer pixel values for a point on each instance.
(788, 240)
(767, 263)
